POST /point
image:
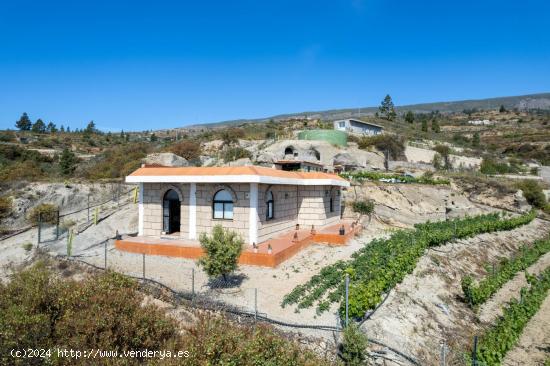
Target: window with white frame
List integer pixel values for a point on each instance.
(222, 207)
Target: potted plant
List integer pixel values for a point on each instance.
(255, 247)
(269, 249)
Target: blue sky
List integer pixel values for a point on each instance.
(141, 65)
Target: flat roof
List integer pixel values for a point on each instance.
(358, 120)
(228, 174)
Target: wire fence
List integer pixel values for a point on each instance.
(76, 221)
(201, 292)
(83, 216)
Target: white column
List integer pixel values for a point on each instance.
(140, 210)
(253, 214)
(193, 211)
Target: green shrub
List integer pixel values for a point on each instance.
(354, 346)
(39, 309)
(214, 340)
(46, 212)
(222, 251)
(6, 206)
(533, 193)
(27, 246)
(492, 167)
(188, 149)
(384, 142)
(393, 178)
(235, 153)
(117, 162)
(364, 207)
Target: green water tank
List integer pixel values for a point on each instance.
(334, 137)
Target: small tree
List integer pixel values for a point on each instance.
(424, 126)
(67, 162)
(435, 126)
(502, 109)
(51, 128)
(354, 346)
(476, 140)
(409, 117)
(232, 135)
(6, 207)
(90, 128)
(445, 152)
(24, 123)
(188, 149)
(44, 212)
(387, 108)
(222, 251)
(39, 126)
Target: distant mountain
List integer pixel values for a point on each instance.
(522, 102)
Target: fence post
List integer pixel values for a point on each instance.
(88, 207)
(70, 243)
(474, 353)
(255, 304)
(143, 265)
(192, 284)
(96, 215)
(347, 299)
(57, 226)
(118, 195)
(106, 253)
(135, 194)
(39, 228)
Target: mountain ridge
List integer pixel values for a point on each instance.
(527, 101)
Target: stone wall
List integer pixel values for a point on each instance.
(306, 205)
(153, 194)
(285, 210)
(241, 201)
(314, 204)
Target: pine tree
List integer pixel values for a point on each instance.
(424, 126)
(435, 126)
(67, 162)
(39, 126)
(51, 128)
(387, 108)
(409, 117)
(24, 123)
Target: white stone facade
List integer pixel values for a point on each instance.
(304, 205)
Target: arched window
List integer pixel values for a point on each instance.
(289, 151)
(171, 211)
(222, 205)
(269, 206)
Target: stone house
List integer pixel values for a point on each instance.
(257, 202)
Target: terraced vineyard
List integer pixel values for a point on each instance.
(504, 334)
(479, 293)
(383, 263)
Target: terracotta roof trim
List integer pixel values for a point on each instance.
(248, 174)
